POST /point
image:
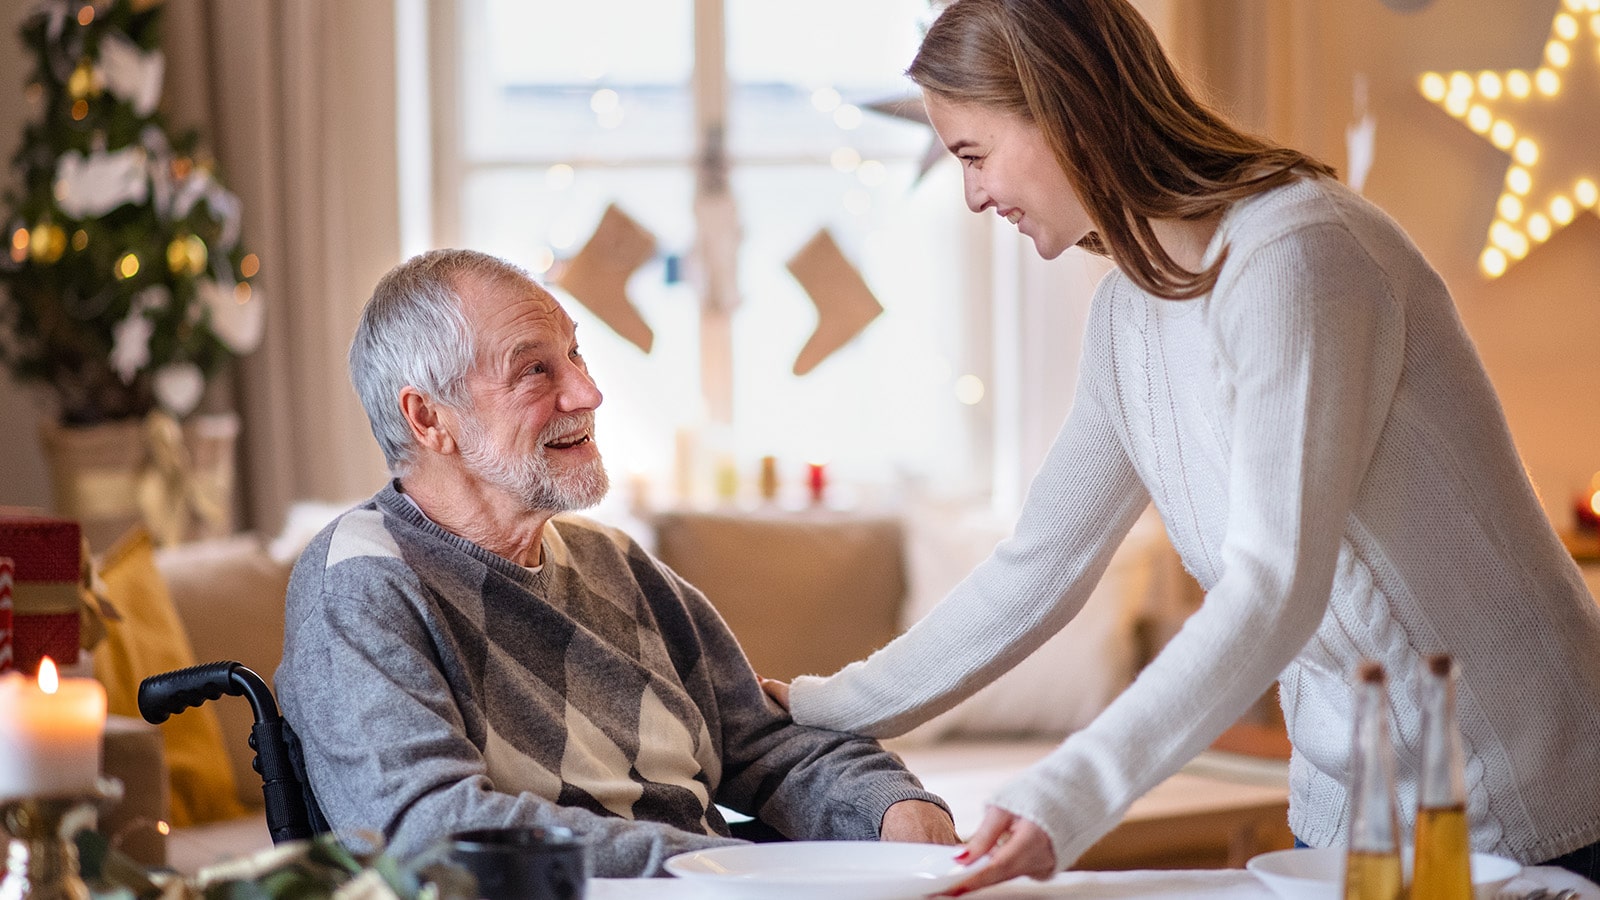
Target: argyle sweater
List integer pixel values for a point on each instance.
(437, 686)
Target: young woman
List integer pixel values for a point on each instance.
(1276, 367)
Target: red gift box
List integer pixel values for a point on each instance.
(46, 555)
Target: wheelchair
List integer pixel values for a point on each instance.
(292, 811)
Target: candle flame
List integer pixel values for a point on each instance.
(49, 681)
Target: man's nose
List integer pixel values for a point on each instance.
(578, 390)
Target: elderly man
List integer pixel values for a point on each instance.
(458, 655)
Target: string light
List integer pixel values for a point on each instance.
(1551, 176)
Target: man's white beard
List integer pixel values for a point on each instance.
(529, 477)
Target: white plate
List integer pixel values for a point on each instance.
(1318, 874)
(823, 870)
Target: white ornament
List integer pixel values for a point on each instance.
(225, 206)
(132, 74)
(178, 387)
(238, 325)
(190, 191)
(130, 347)
(95, 185)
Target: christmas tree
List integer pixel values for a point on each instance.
(126, 285)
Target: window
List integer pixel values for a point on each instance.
(552, 111)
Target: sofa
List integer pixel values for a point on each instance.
(806, 591)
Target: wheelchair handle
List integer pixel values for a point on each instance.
(161, 696)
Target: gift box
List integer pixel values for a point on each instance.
(46, 564)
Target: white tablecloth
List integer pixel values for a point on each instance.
(1234, 884)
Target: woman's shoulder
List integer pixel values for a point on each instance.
(1307, 201)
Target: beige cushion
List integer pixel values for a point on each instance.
(1064, 684)
(230, 594)
(804, 592)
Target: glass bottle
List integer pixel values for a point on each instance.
(1443, 868)
(1372, 863)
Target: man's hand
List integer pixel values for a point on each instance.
(918, 822)
(777, 690)
(1014, 845)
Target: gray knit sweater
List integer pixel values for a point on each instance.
(437, 686)
(1331, 464)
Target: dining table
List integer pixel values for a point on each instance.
(1195, 884)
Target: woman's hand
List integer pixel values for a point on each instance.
(777, 690)
(1014, 845)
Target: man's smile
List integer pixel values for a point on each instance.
(569, 441)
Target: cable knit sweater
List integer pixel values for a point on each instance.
(1332, 465)
(437, 687)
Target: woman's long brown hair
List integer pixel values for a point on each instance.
(1134, 142)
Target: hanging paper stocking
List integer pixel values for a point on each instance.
(598, 275)
(845, 305)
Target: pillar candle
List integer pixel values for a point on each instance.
(50, 734)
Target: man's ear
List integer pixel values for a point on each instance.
(431, 425)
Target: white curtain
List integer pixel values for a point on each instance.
(297, 100)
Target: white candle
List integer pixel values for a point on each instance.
(50, 733)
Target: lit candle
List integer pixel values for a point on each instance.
(50, 733)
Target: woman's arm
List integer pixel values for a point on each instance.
(1083, 500)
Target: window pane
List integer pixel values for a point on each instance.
(884, 405)
(601, 79)
(800, 73)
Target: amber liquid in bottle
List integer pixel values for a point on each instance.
(1373, 876)
(1443, 864)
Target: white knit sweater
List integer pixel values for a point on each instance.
(1332, 465)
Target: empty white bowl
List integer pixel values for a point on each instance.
(1318, 873)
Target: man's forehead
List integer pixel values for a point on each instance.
(498, 297)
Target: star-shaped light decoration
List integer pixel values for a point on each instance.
(1547, 120)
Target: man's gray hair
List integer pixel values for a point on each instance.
(413, 332)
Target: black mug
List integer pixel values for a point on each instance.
(523, 863)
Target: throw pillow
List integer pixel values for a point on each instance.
(1064, 684)
(150, 640)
